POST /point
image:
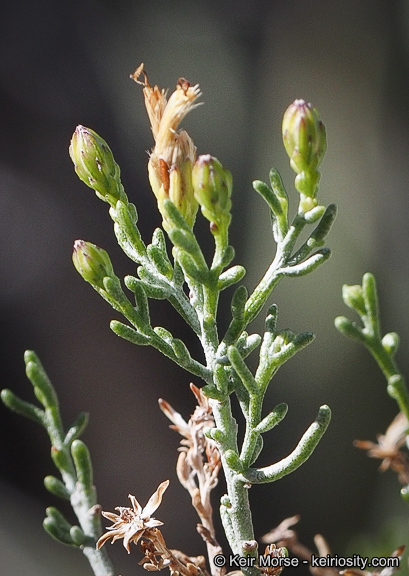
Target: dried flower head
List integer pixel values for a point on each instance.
(388, 448)
(274, 552)
(133, 523)
(172, 158)
(198, 464)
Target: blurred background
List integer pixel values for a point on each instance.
(68, 63)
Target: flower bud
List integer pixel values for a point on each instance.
(95, 165)
(212, 185)
(305, 141)
(92, 262)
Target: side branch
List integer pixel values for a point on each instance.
(298, 456)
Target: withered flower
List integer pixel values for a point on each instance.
(388, 448)
(198, 464)
(133, 523)
(171, 160)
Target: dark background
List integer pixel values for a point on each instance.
(68, 63)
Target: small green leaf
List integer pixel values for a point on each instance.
(57, 526)
(160, 260)
(43, 388)
(271, 420)
(242, 370)
(230, 277)
(22, 407)
(77, 428)
(128, 333)
(233, 461)
(83, 464)
(308, 265)
(56, 487)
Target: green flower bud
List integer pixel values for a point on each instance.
(305, 141)
(212, 185)
(92, 263)
(95, 165)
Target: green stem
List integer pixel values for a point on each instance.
(236, 515)
(266, 285)
(396, 382)
(251, 435)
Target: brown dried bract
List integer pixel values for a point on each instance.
(389, 448)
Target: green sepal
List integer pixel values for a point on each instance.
(82, 462)
(233, 461)
(57, 526)
(230, 277)
(56, 487)
(128, 333)
(22, 407)
(277, 414)
(43, 388)
(77, 428)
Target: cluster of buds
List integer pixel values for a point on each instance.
(305, 141)
(172, 158)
